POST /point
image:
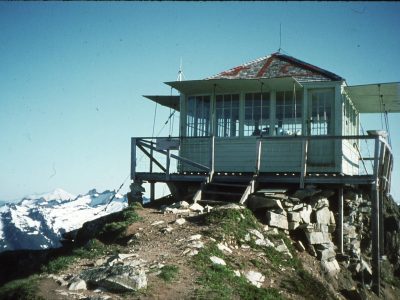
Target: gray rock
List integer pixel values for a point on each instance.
(257, 202)
(255, 278)
(294, 216)
(320, 203)
(299, 246)
(293, 225)
(229, 206)
(281, 247)
(318, 237)
(77, 284)
(326, 254)
(277, 220)
(323, 215)
(305, 214)
(331, 267)
(298, 207)
(119, 278)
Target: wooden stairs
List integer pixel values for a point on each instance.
(220, 193)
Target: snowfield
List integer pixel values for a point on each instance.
(38, 221)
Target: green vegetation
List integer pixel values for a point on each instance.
(387, 274)
(231, 222)
(95, 248)
(20, 289)
(306, 284)
(114, 230)
(220, 282)
(92, 249)
(168, 273)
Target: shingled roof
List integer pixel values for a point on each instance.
(278, 65)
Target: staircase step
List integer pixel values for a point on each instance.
(222, 193)
(227, 184)
(214, 202)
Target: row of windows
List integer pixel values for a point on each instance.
(288, 114)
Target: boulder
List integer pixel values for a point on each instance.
(196, 207)
(294, 216)
(330, 267)
(217, 261)
(255, 278)
(318, 237)
(277, 220)
(305, 214)
(326, 254)
(257, 202)
(119, 278)
(281, 247)
(77, 284)
(323, 215)
(256, 233)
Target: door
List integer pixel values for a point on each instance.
(320, 122)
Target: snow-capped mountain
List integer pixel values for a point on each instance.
(38, 221)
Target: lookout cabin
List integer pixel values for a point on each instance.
(275, 120)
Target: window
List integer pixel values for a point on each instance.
(198, 116)
(321, 112)
(350, 117)
(288, 113)
(257, 108)
(227, 113)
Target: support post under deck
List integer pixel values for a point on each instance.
(340, 221)
(376, 270)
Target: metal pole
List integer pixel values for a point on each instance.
(375, 222)
(340, 221)
(133, 158)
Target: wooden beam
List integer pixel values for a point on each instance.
(152, 158)
(177, 157)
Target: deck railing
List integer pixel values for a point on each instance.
(365, 154)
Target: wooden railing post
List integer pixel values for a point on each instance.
(258, 157)
(168, 164)
(304, 162)
(212, 157)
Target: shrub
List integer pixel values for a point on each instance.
(168, 273)
(20, 289)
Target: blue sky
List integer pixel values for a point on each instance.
(72, 74)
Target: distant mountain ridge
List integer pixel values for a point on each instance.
(38, 221)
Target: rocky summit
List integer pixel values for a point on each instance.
(283, 245)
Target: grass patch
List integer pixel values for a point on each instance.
(114, 230)
(306, 284)
(220, 282)
(169, 273)
(91, 250)
(20, 289)
(232, 222)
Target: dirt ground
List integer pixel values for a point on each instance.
(156, 245)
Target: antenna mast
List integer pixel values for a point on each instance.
(280, 37)
(180, 72)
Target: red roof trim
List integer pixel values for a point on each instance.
(265, 66)
(308, 66)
